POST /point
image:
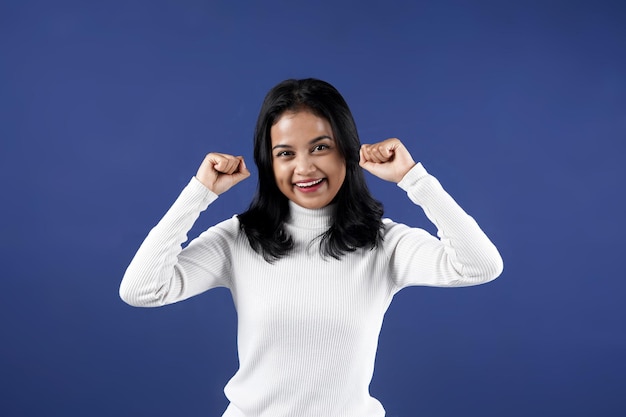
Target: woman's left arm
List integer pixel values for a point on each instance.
(462, 256)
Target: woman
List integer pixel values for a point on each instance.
(311, 265)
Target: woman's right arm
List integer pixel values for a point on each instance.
(161, 272)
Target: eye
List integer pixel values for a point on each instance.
(320, 147)
(284, 154)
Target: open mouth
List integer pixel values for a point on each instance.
(309, 184)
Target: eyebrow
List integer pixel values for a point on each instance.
(311, 142)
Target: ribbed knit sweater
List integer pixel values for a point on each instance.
(308, 326)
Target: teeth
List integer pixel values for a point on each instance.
(308, 184)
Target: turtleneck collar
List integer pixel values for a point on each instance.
(304, 218)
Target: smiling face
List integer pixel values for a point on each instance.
(308, 167)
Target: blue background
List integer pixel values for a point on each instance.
(518, 107)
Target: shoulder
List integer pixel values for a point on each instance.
(229, 228)
(226, 233)
(391, 226)
(223, 236)
(394, 232)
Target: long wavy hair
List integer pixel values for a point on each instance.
(357, 216)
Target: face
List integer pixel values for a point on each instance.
(308, 167)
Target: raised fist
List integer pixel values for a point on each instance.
(219, 172)
(388, 159)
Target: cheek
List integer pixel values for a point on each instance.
(342, 176)
(341, 171)
(281, 173)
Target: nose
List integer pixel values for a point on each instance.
(304, 165)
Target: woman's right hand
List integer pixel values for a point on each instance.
(219, 172)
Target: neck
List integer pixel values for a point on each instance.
(305, 218)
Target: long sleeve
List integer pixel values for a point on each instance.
(462, 256)
(161, 272)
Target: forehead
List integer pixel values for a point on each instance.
(298, 126)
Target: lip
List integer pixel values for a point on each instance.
(311, 181)
(315, 185)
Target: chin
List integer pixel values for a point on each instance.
(311, 205)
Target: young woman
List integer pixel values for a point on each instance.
(312, 266)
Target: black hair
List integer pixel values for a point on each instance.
(357, 221)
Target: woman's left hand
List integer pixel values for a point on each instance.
(388, 159)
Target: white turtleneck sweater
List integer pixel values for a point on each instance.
(307, 326)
